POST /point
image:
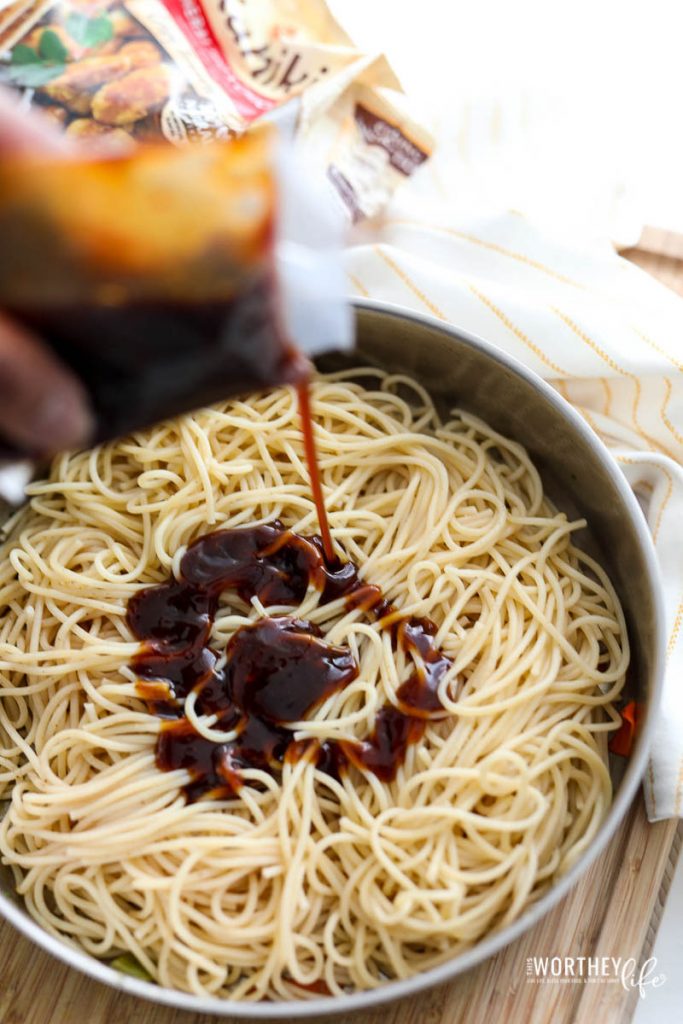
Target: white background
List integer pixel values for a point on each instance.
(593, 88)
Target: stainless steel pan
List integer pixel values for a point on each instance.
(582, 479)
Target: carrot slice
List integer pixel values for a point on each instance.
(622, 740)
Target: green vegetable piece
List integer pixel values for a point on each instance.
(127, 964)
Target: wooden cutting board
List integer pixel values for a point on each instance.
(614, 911)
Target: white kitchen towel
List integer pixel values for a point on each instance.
(604, 333)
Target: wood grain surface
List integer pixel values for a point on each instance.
(613, 911)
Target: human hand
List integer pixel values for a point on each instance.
(44, 407)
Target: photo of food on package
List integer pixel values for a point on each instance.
(186, 70)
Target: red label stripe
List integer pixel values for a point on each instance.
(190, 17)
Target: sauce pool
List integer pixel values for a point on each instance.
(276, 671)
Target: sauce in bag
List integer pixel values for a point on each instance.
(169, 278)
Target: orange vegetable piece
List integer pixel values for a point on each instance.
(622, 740)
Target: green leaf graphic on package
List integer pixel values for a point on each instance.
(89, 32)
(32, 67)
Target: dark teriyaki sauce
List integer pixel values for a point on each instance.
(143, 361)
(275, 671)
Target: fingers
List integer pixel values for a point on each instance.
(43, 407)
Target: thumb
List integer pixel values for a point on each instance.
(44, 408)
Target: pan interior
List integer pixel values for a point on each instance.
(458, 371)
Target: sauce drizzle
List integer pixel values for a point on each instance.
(303, 391)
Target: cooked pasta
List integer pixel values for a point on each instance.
(302, 882)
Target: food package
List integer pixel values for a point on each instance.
(203, 69)
(169, 277)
